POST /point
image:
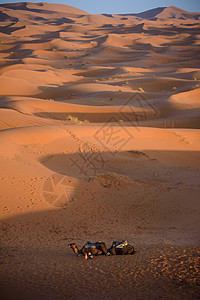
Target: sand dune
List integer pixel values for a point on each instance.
(171, 12)
(99, 140)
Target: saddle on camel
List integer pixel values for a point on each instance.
(99, 248)
(121, 248)
(90, 249)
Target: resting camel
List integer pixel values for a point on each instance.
(98, 248)
(121, 248)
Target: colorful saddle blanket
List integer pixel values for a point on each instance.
(118, 244)
(91, 245)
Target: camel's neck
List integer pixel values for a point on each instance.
(76, 250)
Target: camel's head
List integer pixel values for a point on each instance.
(74, 248)
(72, 245)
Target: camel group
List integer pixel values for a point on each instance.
(99, 248)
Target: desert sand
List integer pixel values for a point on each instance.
(99, 140)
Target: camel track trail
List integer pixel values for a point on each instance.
(99, 140)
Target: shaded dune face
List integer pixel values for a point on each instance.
(99, 141)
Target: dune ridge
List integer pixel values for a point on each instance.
(99, 140)
(170, 12)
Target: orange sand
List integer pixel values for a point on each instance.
(99, 140)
